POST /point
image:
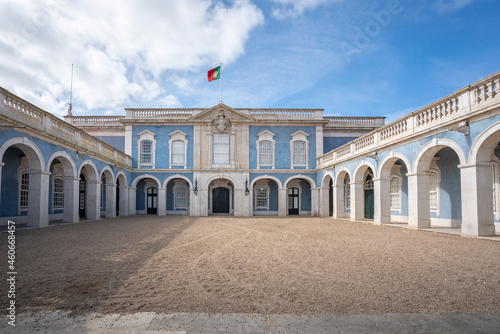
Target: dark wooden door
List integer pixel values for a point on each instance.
(293, 201)
(152, 200)
(330, 198)
(82, 197)
(220, 198)
(369, 202)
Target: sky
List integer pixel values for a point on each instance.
(348, 57)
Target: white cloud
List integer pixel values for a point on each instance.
(447, 6)
(294, 8)
(120, 51)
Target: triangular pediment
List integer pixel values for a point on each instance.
(221, 108)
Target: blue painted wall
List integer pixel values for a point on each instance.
(305, 198)
(170, 196)
(282, 148)
(162, 154)
(10, 199)
(450, 201)
(331, 143)
(404, 191)
(117, 142)
(140, 197)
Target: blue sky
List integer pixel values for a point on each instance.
(352, 58)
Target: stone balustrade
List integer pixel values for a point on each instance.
(469, 101)
(94, 120)
(355, 121)
(23, 113)
(287, 113)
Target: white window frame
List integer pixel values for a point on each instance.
(54, 192)
(496, 186)
(146, 135)
(176, 205)
(435, 169)
(299, 136)
(261, 185)
(395, 194)
(228, 134)
(178, 136)
(266, 136)
(347, 192)
(23, 191)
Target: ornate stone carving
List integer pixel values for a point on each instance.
(221, 122)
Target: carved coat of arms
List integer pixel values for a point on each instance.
(221, 122)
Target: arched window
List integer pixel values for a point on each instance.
(146, 152)
(299, 147)
(58, 192)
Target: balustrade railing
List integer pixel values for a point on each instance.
(478, 97)
(97, 120)
(26, 114)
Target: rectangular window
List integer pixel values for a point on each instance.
(261, 198)
(265, 152)
(299, 152)
(433, 191)
(181, 201)
(178, 152)
(58, 192)
(146, 152)
(347, 195)
(221, 148)
(395, 198)
(25, 186)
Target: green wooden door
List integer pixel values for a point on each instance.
(369, 202)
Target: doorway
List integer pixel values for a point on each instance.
(82, 197)
(369, 202)
(152, 200)
(220, 198)
(293, 201)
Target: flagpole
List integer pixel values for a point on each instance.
(220, 74)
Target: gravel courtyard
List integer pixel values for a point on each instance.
(256, 265)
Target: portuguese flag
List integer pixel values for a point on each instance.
(214, 74)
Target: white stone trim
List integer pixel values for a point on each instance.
(146, 135)
(266, 136)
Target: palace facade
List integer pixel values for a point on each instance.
(437, 166)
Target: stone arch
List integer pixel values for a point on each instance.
(122, 202)
(92, 208)
(270, 177)
(70, 186)
(67, 162)
(326, 195)
(213, 178)
(108, 192)
(33, 153)
(177, 176)
(220, 199)
(383, 188)
(482, 148)
(340, 176)
(424, 156)
(145, 176)
(385, 165)
(94, 176)
(361, 169)
(300, 176)
(38, 181)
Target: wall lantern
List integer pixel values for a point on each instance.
(195, 190)
(247, 191)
